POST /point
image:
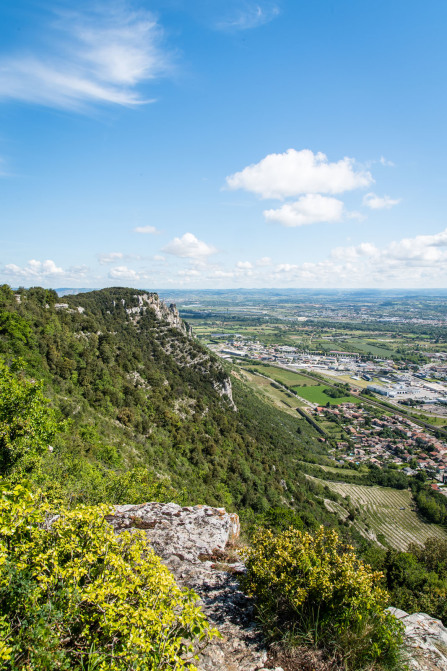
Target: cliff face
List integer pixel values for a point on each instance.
(164, 313)
(199, 545)
(169, 315)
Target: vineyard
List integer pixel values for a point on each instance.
(388, 513)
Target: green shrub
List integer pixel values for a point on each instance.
(73, 595)
(312, 589)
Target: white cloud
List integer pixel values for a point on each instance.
(189, 272)
(265, 261)
(34, 269)
(43, 271)
(110, 258)
(298, 172)
(251, 15)
(98, 57)
(386, 162)
(244, 265)
(189, 247)
(410, 262)
(146, 229)
(285, 267)
(123, 273)
(375, 202)
(222, 273)
(159, 258)
(309, 209)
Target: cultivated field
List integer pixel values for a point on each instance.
(287, 377)
(386, 511)
(315, 394)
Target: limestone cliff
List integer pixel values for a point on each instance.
(169, 316)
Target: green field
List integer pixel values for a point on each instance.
(385, 511)
(287, 377)
(315, 394)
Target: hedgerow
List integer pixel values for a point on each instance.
(312, 589)
(73, 595)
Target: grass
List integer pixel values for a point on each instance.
(385, 511)
(280, 399)
(287, 377)
(315, 394)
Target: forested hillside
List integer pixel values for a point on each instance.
(142, 410)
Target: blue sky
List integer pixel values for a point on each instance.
(223, 143)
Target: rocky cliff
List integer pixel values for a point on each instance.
(199, 545)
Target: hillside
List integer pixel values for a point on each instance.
(142, 397)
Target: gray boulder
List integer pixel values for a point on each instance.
(425, 641)
(197, 545)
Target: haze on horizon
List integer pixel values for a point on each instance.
(189, 144)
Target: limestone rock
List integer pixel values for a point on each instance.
(425, 641)
(196, 543)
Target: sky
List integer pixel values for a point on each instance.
(223, 143)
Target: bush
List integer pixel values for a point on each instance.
(311, 589)
(73, 595)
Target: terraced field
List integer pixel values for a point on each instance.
(387, 511)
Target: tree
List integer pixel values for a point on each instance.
(27, 423)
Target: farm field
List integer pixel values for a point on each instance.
(287, 377)
(280, 399)
(315, 394)
(387, 511)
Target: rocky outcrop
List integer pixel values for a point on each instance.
(425, 641)
(165, 313)
(198, 545)
(224, 388)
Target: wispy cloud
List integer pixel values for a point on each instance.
(98, 57)
(375, 202)
(249, 15)
(148, 230)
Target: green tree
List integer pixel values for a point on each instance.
(27, 423)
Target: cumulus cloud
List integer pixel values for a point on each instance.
(299, 172)
(375, 202)
(43, 271)
(250, 15)
(100, 56)
(244, 265)
(386, 162)
(265, 261)
(189, 247)
(151, 230)
(418, 261)
(309, 209)
(123, 273)
(189, 272)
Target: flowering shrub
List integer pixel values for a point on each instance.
(312, 588)
(73, 595)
